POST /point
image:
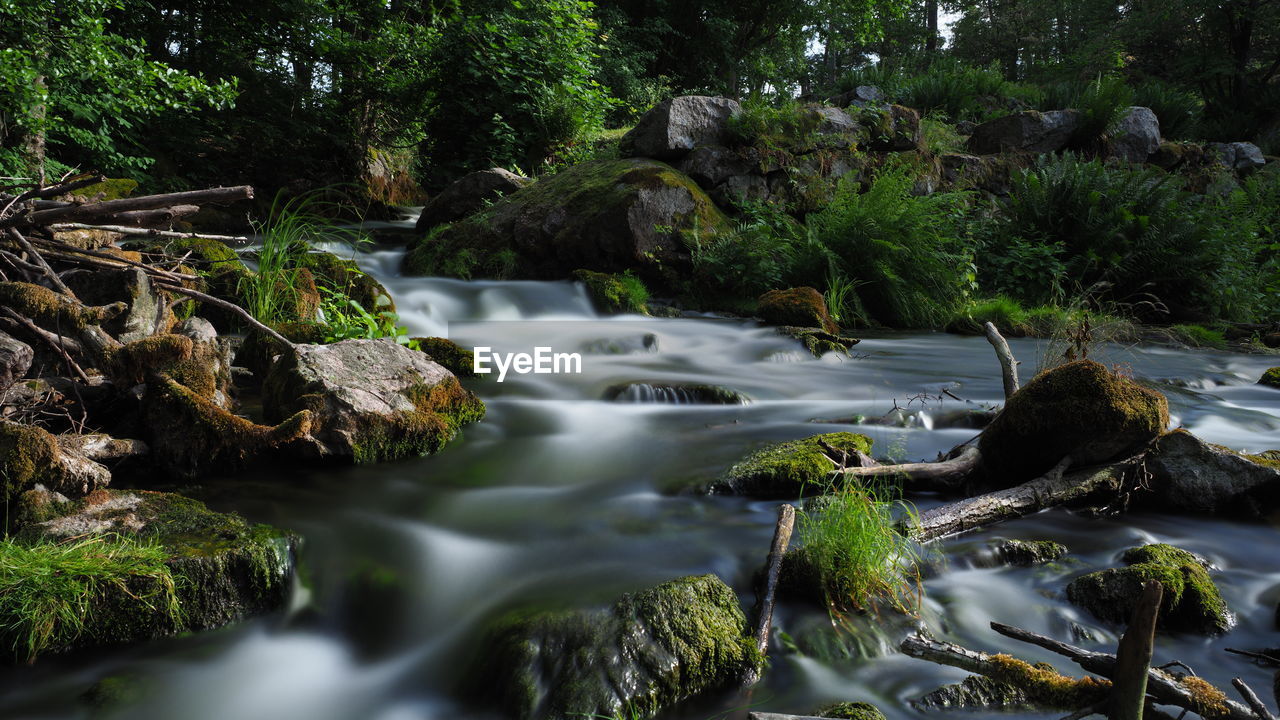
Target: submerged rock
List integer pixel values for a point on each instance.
(788, 469)
(370, 400)
(1024, 553)
(1191, 475)
(648, 652)
(975, 692)
(1191, 601)
(818, 342)
(468, 194)
(675, 394)
(1029, 130)
(674, 127)
(851, 711)
(606, 215)
(800, 306)
(1271, 378)
(1079, 409)
(221, 568)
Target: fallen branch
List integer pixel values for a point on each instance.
(948, 474)
(764, 619)
(1008, 366)
(150, 218)
(238, 311)
(97, 211)
(1250, 697)
(150, 232)
(38, 260)
(1133, 656)
(107, 260)
(60, 345)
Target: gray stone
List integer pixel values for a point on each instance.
(1190, 475)
(1238, 155)
(1137, 135)
(976, 692)
(198, 329)
(742, 189)
(836, 121)
(710, 165)
(147, 314)
(15, 360)
(1028, 131)
(468, 194)
(674, 127)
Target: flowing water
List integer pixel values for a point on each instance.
(561, 497)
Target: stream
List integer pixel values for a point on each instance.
(560, 498)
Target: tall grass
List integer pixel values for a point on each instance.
(853, 543)
(52, 593)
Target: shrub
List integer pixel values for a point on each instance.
(785, 126)
(956, 91)
(901, 250)
(1178, 110)
(767, 250)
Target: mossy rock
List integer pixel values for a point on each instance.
(788, 469)
(1025, 553)
(221, 272)
(608, 216)
(27, 456)
(1271, 378)
(976, 692)
(455, 358)
(851, 711)
(345, 276)
(675, 394)
(819, 342)
(222, 567)
(109, 189)
(649, 651)
(1193, 476)
(1080, 409)
(800, 306)
(1191, 600)
(614, 294)
(259, 349)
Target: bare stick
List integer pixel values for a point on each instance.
(229, 307)
(1250, 697)
(150, 218)
(96, 211)
(150, 232)
(764, 620)
(936, 475)
(54, 341)
(39, 260)
(1260, 657)
(66, 252)
(1008, 366)
(1133, 655)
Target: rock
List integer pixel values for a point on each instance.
(1030, 131)
(834, 121)
(851, 711)
(860, 96)
(146, 312)
(1191, 601)
(468, 194)
(740, 190)
(675, 394)
(31, 456)
(1238, 156)
(674, 127)
(1079, 409)
(372, 400)
(198, 329)
(221, 567)
(455, 358)
(787, 469)
(1190, 475)
(976, 692)
(1136, 135)
(15, 360)
(614, 294)
(1025, 553)
(222, 275)
(345, 276)
(1271, 378)
(801, 307)
(989, 173)
(606, 215)
(649, 651)
(711, 165)
(895, 128)
(818, 342)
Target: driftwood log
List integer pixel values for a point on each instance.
(773, 571)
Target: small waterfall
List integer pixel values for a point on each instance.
(671, 394)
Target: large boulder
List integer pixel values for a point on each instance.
(802, 307)
(788, 469)
(1080, 409)
(468, 194)
(178, 567)
(1238, 156)
(895, 128)
(606, 215)
(15, 360)
(1136, 136)
(860, 96)
(674, 127)
(649, 651)
(1190, 475)
(1191, 601)
(370, 400)
(1030, 131)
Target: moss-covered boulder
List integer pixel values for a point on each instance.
(1191, 475)
(800, 306)
(613, 294)
(976, 692)
(675, 394)
(1191, 601)
(468, 194)
(851, 711)
(788, 469)
(1080, 409)
(1025, 553)
(894, 127)
(344, 276)
(1271, 378)
(606, 215)
(371, 400)
(819, 342)
(31, 456)
(455, 358)
(151, 564)
(649, 651)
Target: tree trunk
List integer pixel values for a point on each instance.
(931, 21)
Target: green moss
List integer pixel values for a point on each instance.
(1005, 313)
(109, 189)
(801, 306)
(1191, 601)
(789, 469)
(648, 652)
(1046, 686)
(1271, 378)
(1199, 336)
(52, 310)
(455, 358)
(440, 412)
(851, 711)
(1079, 409)
(819, 342)
(344, 276)
(26, 457)
(612, 294)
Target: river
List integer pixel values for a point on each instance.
(562, 498)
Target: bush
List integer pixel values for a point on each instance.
(956, 91)
(786, 126)
(901, 251)
(767, 250)
(1102, 103)
(1178, 110)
